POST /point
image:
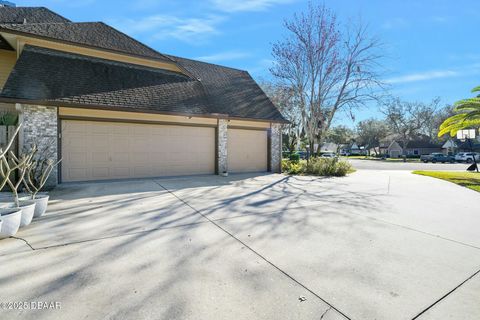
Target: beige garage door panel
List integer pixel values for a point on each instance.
(104, 150)
(247, 150)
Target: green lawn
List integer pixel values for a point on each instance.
(470, 180)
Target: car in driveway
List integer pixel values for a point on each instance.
(437, 157)
(467, 157)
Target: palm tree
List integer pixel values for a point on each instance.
(468, 115)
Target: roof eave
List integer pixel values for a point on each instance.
(127, 109)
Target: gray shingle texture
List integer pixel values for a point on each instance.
(30, 15)
(53, 76)
(93, 34)
(231, 91)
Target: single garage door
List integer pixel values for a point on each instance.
(93, 150)
(247, 150)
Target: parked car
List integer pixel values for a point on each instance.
(437, 157)
(328, 155)
(467, 157)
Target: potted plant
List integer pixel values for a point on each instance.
(21, 164)
(35, 178)
(10, 219)
(10, 222)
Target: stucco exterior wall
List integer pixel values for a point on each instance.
(276, 148)
(40, 127)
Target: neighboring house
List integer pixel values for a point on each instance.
(113, 108)
(351, 149)
(328, 147)
(394, 150)
(355, 149)
(414, 148)
(454, 146)
(450, 147)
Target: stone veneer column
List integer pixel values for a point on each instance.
(222, 137)
(40, 127)
(276, 148)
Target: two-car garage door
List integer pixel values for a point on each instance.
(99, 150)
(94, 150)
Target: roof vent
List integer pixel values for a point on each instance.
(7, 4)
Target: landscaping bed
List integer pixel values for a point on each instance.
(327, 167)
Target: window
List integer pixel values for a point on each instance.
(415, 152)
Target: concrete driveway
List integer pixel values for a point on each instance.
(363, 164)
(373, 245)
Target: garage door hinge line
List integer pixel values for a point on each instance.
(446, 295)
(255, 252)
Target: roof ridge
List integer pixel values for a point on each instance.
(133, 39)
(117, 41)
(209, 63)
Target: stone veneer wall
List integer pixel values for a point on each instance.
(222, 132)
(40, 127)
(276, 148)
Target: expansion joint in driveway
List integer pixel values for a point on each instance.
(26, 242)
(257, 254)
(446, 295)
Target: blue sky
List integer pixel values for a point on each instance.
(430, 45)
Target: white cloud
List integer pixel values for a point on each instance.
(224, 56)
(246, 5)
(422, 76)
(165, 26)
(396, 23)
(440, 19)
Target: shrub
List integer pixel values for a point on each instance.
(292, 167)
(328, 167)
(285, 165)
(295, 157)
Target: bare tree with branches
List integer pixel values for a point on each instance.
(284, 99)
(329, 69)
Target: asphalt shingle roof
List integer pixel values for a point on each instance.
(231, 91)
(94, 34)
(49, 76)
(30, 15)
(58, 77)
(422, 144)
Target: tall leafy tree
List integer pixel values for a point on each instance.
(467, 115)
(407, 120)
(371, 132)
(340, 135)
